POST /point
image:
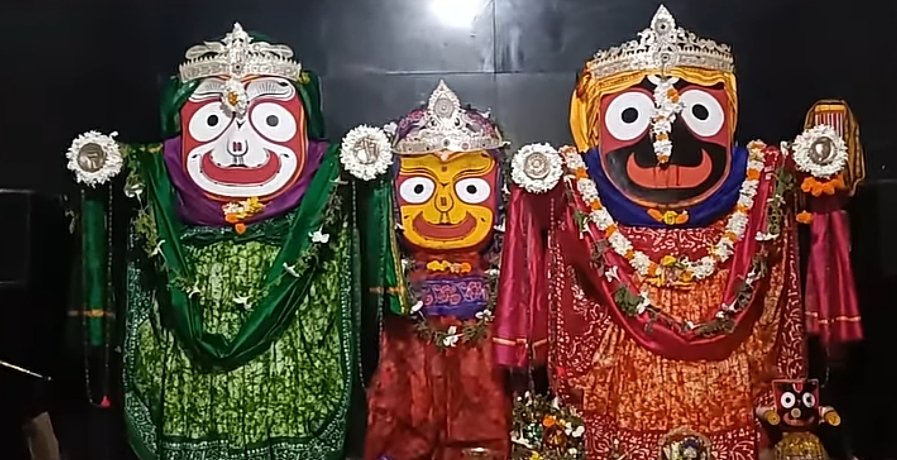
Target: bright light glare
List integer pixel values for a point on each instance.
(457, 13)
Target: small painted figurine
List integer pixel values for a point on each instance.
(795, 415)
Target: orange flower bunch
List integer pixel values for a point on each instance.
(446, 266)
(818, 188)
(236, 213)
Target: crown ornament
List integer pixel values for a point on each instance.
(660, 47)
(236, 56)
(445, 125)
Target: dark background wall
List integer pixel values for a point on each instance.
(72, 66)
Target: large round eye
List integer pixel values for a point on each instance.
(208, 122)
(787, 400)
(416, 190)
(629, 115)
(702, 112)
(273, 121)
(809, 400)
(473, 191)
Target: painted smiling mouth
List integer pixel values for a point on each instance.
(670, 176)
(445, 232)
(796, 421)
(241, 175)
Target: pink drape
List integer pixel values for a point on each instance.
(831, 303)
(520, 330)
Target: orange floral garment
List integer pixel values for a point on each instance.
(634, 396)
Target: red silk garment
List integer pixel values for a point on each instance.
(426, 403)
(632, 395)
(832, 309)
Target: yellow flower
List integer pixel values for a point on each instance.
(669, 217)
(535, 456)
(668, 260)
(549, 421)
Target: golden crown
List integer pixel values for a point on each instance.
(659, 47)
(238, 55)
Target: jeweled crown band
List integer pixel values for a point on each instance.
(661, 46)
(445, 125)
(238, 55)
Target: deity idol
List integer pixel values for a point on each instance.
(239, 306)
(654, 266)
(433, 223)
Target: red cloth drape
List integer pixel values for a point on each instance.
(427, 403)
(520, 330)
(831, 302)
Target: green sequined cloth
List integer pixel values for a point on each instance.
(288, 403)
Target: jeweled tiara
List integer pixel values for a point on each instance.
(661, 46)
(238, 55)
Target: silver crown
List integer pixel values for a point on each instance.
(659, 47)
(236, 56)
(446, 126)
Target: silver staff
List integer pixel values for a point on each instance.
(24, 371)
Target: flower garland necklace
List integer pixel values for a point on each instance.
(670, 270)
(469, 331)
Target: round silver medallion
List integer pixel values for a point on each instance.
(91, 157)
(444, 107)
(366, 151)
(822, 151)
(536, 165)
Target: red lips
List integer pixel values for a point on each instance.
(445, 231)
(671, 176)
(241, 175)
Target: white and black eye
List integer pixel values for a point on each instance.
(809, 400)
(629, 115)
(416, 190)
(473, 191)
(208, 122)
(788, 400)
(702, 112)
(273, 121)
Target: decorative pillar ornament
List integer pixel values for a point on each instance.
(238, 263)
(434, 209)
(658, 277)
(829, 160)
(795, 414)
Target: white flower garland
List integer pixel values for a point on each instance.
(640, 262)
(537, 168)
(366, 152)
(97, 165)
(666, 106)
(823, 136)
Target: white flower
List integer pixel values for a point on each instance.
(243, 300)
(690, 325)
(318, 236)
(234, 97)
(485, 315)
(451, 339)
(820, 151)
(643, 304)
(611, 274)
(94, 158)
(194, 290)
(157, 250)
(587, 189)
(499, 227)
(602, 219)
(766, 236)
(390, 129)
(537, 168)
(579, 431)
(492, 272)
(366, 152)
(291, 269)
(417, 306)
(640, 262)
